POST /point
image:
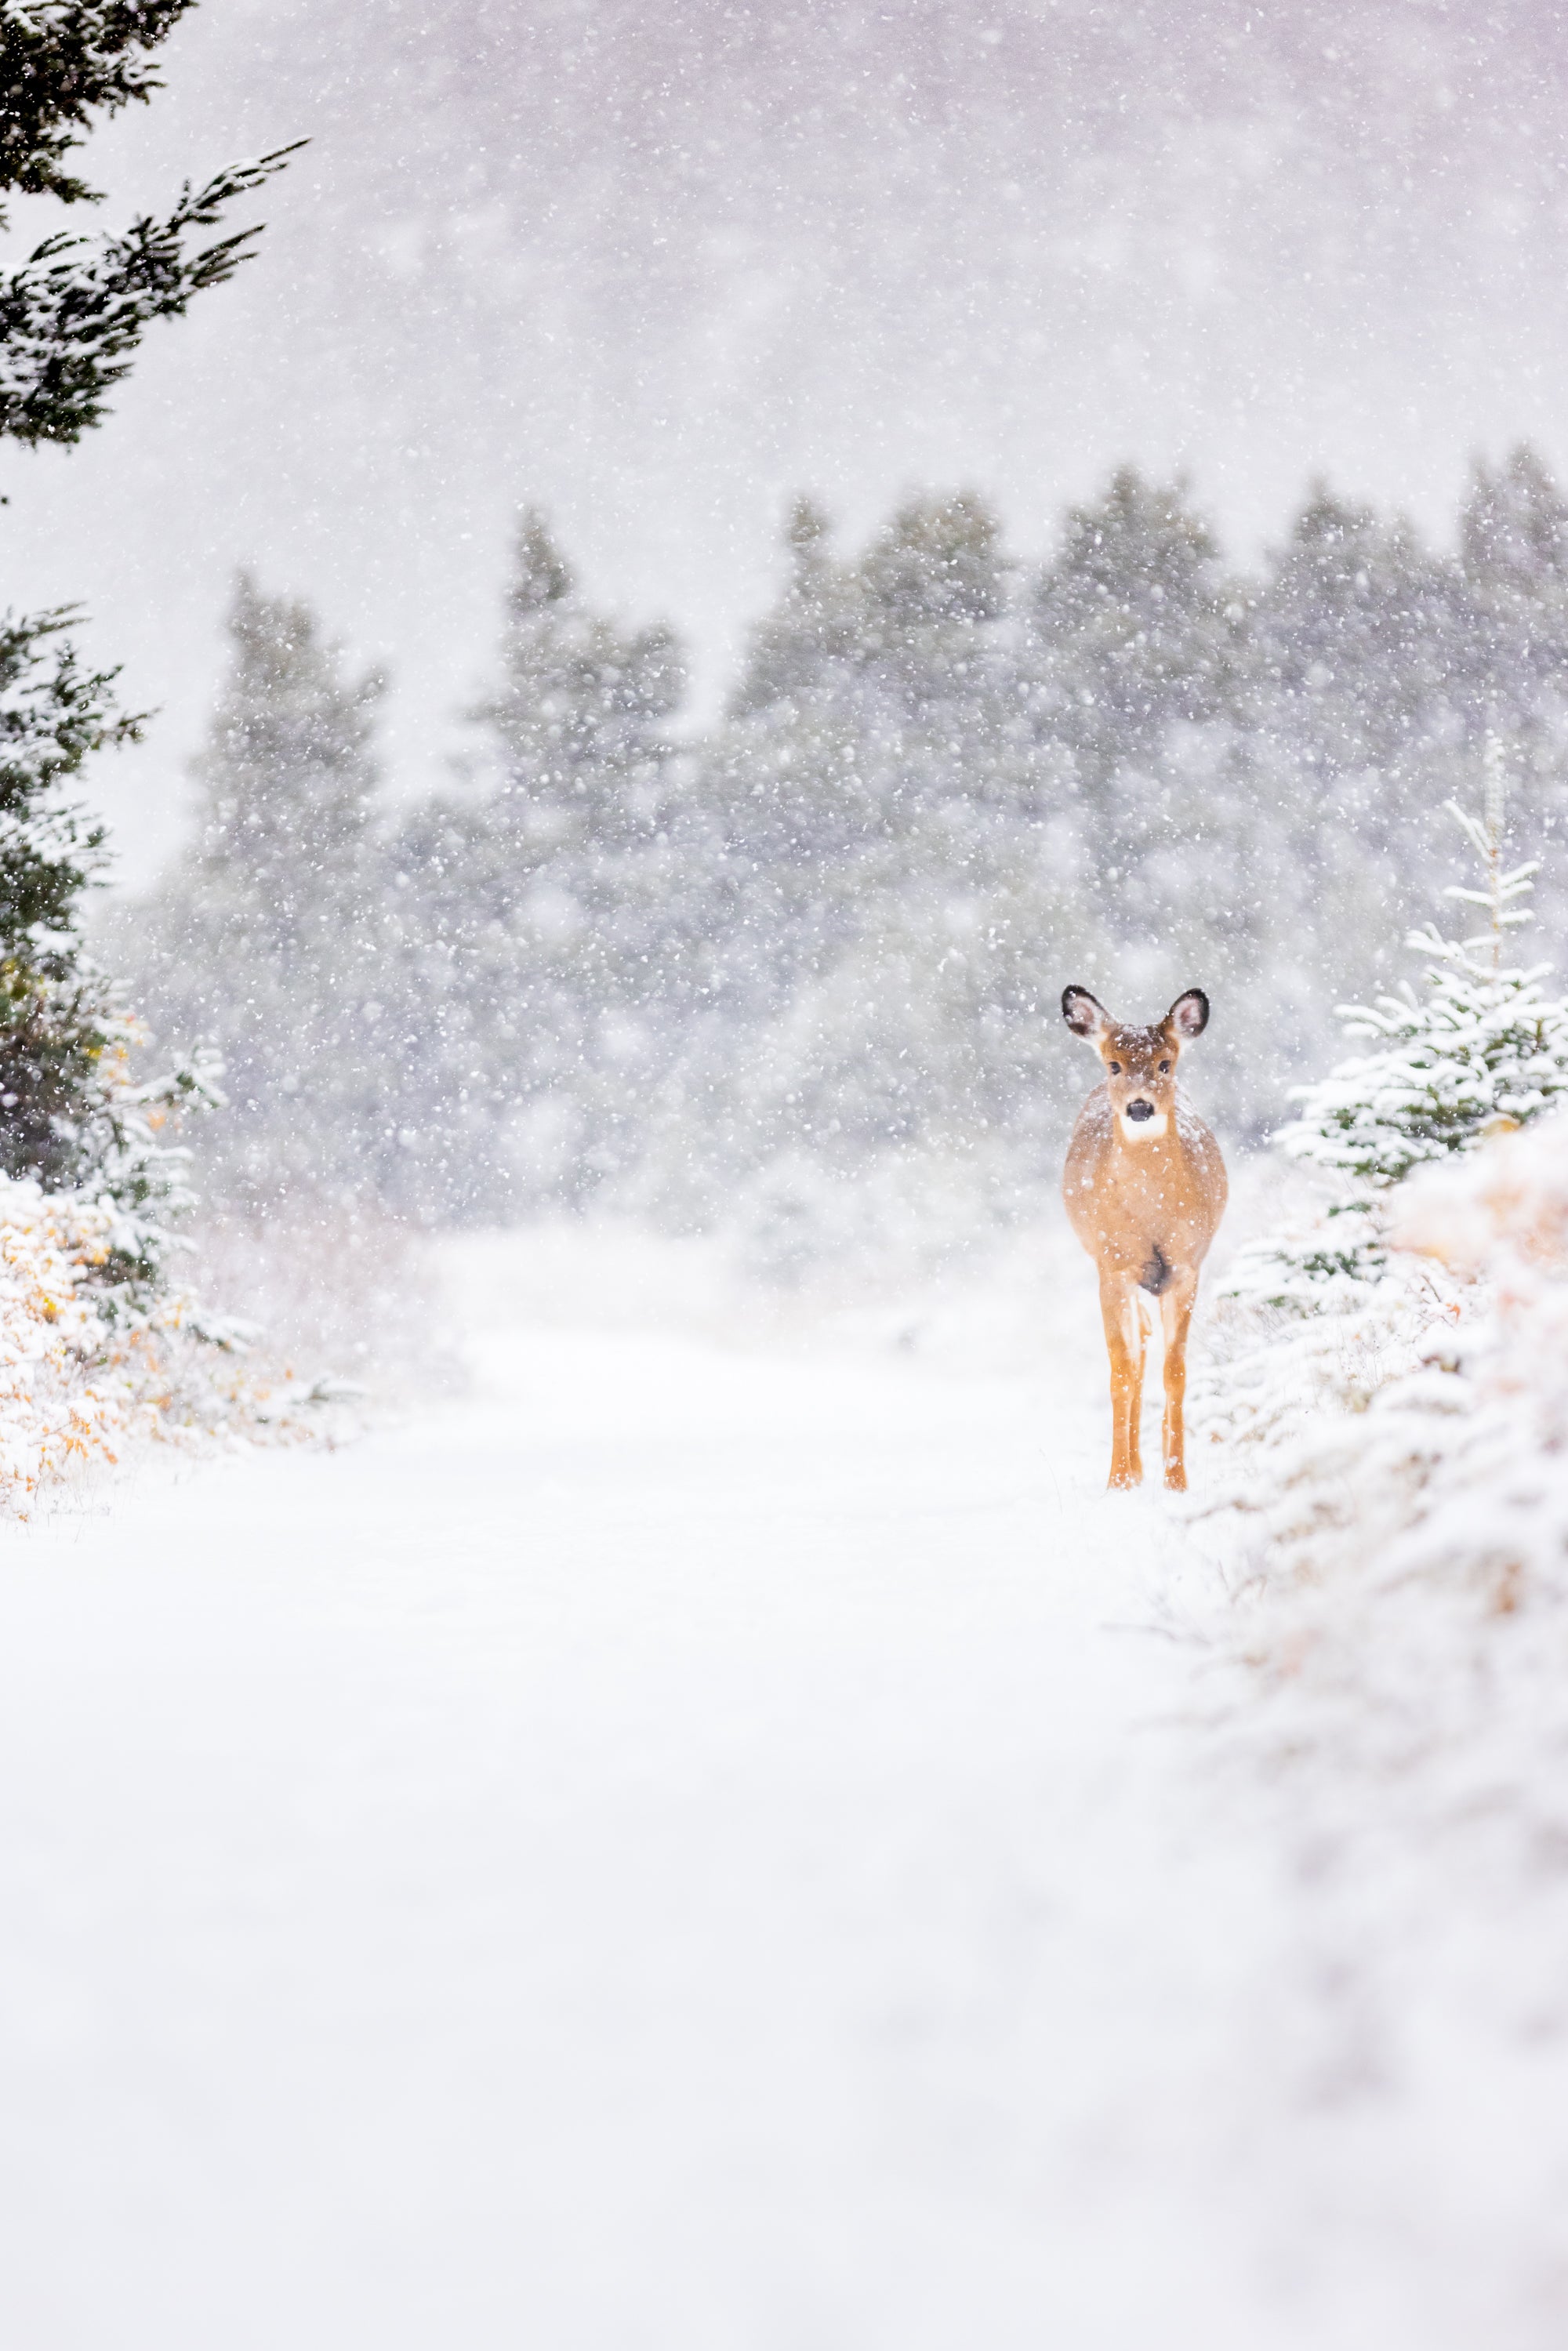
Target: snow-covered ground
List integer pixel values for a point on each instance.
(716, 1839)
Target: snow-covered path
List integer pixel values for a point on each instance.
(684, 1849)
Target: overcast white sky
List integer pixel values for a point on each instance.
(657, 265)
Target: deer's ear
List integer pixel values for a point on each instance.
(1084, 1014)
(1189, 1016)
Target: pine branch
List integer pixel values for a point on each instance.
(59, 65)
(53, 714)
(1504, 918)
(1475, 830)
(70, 318)
(1511, 885)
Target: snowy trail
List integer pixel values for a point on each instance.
(680, 1849)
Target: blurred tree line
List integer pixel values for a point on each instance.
(612, 960)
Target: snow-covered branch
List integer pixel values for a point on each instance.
(60, 64)
(71, 316)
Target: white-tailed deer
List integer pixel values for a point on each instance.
(1146, 1189)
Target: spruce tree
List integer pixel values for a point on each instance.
(572, 738)
(1354, 642)
(1513, 530)
(1483, 1048)
(266, 937)
(1513, 557)
(874, 693)
(1352, 702)
(793, 651)
(1132, 625)
(57, 1022)
(928, 585)
(74, 312)
(538, 908)
(898, 864)
(71, 1113)
(789, 783)
(70, 318)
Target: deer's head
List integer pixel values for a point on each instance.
(1140, 1063)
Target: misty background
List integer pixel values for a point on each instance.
(655, 267)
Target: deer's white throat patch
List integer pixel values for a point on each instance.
(1144, 1130)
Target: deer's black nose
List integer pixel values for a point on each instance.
(1140, 1109)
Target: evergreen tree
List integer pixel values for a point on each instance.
(877, 692)
(573, 737)
(1132, 664)
(907, 619)
(1132, 620)
(1512, 653)
(267, 938)
(928, 585)
(1351, 702)
(59, 1021)
(789, 784)
(1513, 530)
(74, 312)
(70, 316)
(1354, 642)
(1483, 1049)
(793, 651)
(539, 910)
(71, 1112)
(898, 864)
(1484, 1044)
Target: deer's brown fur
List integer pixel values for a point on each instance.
(1145, 1188)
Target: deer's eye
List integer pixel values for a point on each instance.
(1115, 1069)
(1163, 1066)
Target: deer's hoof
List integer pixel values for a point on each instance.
(1121, 1481)
(1175, 1478)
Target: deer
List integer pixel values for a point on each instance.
(1145, 1188)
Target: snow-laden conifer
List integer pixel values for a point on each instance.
(1482, 1043)
(1323, 1314)
(539, 918)
(75, 310)
(72, 1114)
(1135, 632)
(91, 1329)
(265, 938)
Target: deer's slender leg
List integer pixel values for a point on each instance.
(1176, 1313)
(1125, 1346)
